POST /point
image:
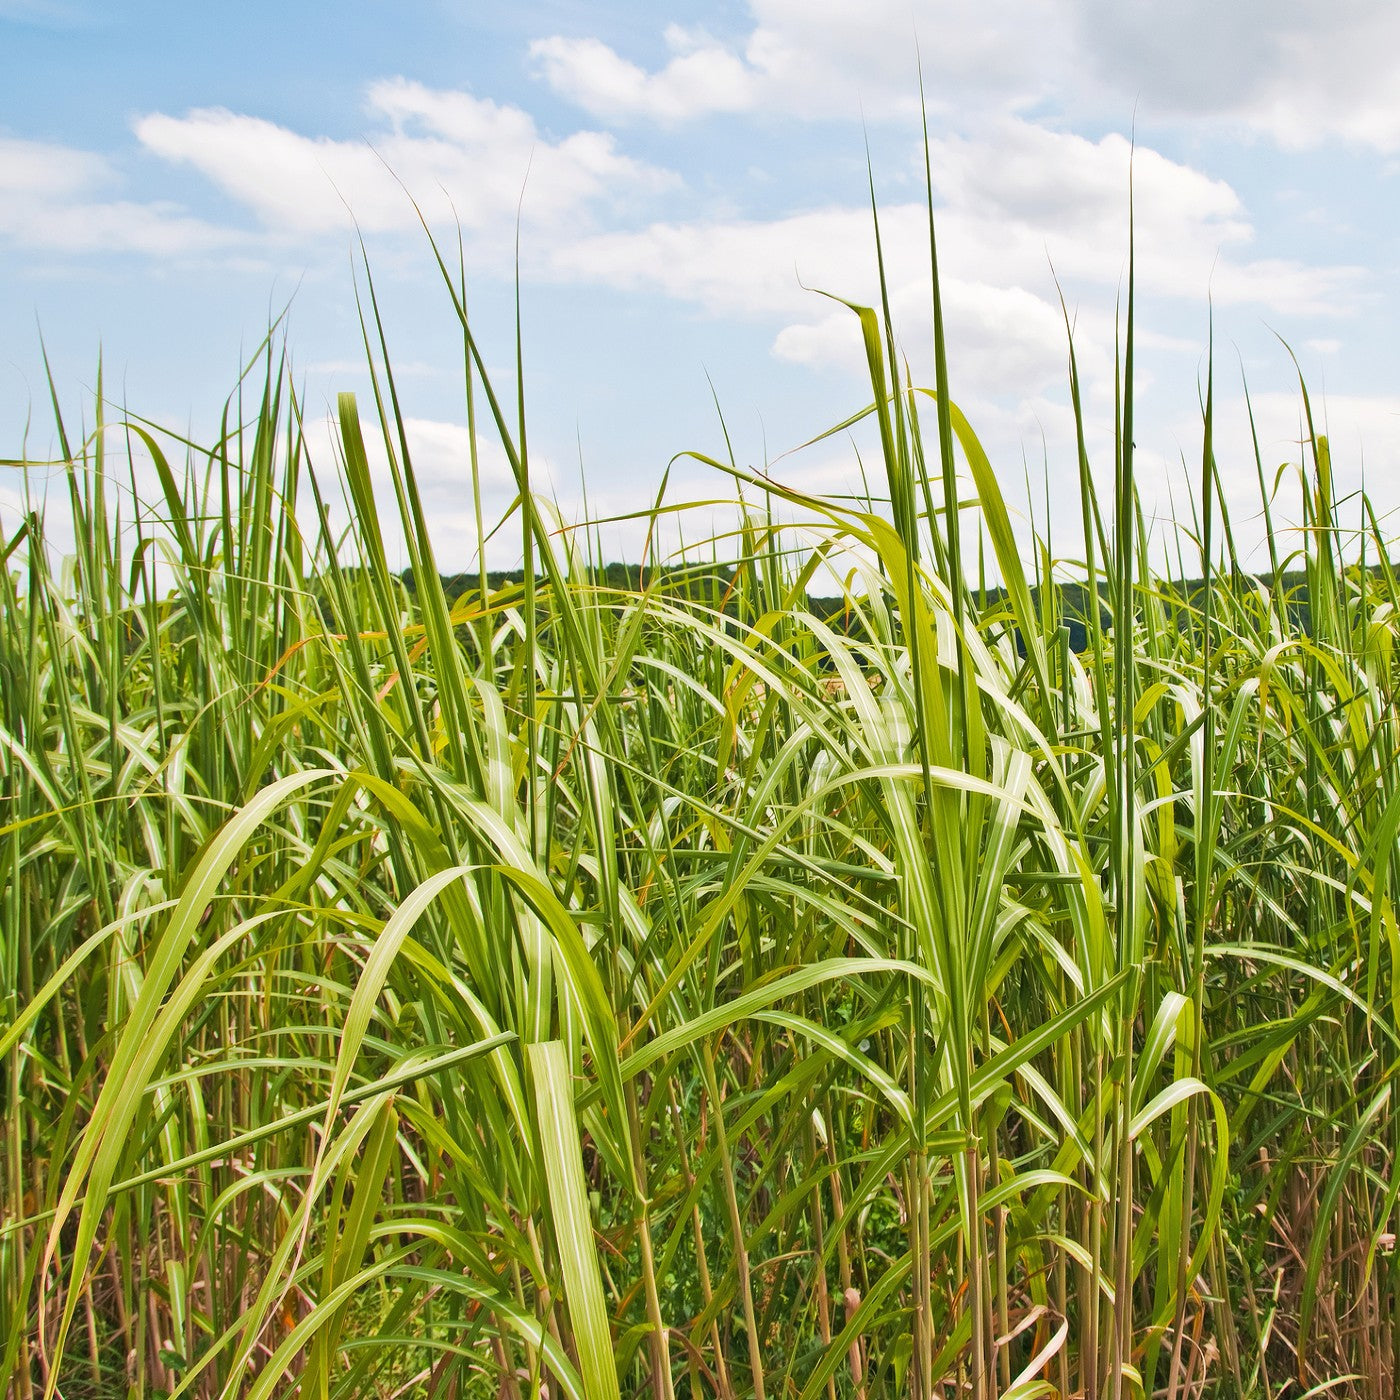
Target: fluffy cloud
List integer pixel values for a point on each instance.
(60, 200)
(1019, 195)
(702, 77)
(820, 59)
(1001, 339)
(1294, 70)
(440, 451)
(461, 155)
(441, 455)
(1015, 201)
(1363, 433)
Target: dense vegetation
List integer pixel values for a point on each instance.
(583, 985)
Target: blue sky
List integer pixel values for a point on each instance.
(171, 175)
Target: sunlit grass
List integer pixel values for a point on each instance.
(681, 989)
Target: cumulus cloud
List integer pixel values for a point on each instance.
(440, 452)
(63, 200)
(1015, 200)
(1363, 432)
(455, 152)
(820, 59)
(1000, 338)
(1293, 70)
(1299, 72)
(1019, 194)
(1209, 57)
(702, 77)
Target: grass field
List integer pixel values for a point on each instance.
(562, 988)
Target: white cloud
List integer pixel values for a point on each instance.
(52, 198)
(1363, 432)
(821, 59)
(1207, 56)
(1001, 339)
(1014, 200)
(440, 452)
(735, 267)
(1059, 182)
(1020, 195)
(38, 170)
(1294, 70)
(702, 77)
(456, 153)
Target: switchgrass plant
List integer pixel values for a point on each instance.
(561, 989)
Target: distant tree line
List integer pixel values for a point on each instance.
(718, 586)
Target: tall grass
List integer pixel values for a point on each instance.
(571, 990)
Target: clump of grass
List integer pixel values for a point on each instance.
(557, 987)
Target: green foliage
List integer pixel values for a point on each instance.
(603, 979)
